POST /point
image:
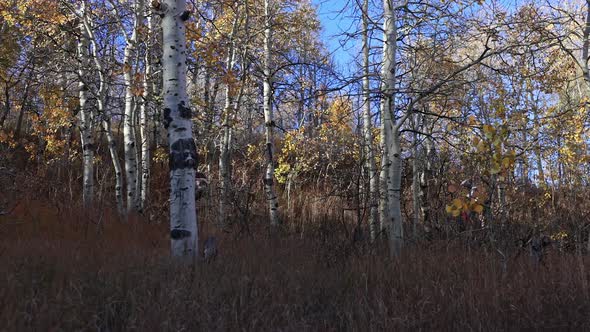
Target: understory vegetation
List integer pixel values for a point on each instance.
(63, 267)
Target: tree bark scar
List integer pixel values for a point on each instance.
(167, 118)
(183, 154)
(88, 147)
(184, 112)
(178, 234)
(268, 181)
(185, 15)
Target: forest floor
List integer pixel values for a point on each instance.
(64, 270)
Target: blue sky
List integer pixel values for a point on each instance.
(335, 17)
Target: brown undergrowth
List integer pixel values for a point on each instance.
(70, 270)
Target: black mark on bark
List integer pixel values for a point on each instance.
(183, 154)
(185, 112)
(178, 234)
(167, 117)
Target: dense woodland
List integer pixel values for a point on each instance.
(220, 165)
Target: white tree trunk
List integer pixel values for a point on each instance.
(86, 125)
(178, 122)
(112, 144)
(224, 155)
(368, 136)
(224, 162)
(143, 118)
(145, 150)
(416, 189)
(426, 176)
(391, 174)
(105, 117)
(394, 196)
(271, 197)
(129, 141)
(384, 133)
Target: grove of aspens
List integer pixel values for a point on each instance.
(294, 165)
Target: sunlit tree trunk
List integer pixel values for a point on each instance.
(538, 155)
(143, 118)
(178, 122)
(271, 197)
(426, 175)
(384, 133)
(392, 163)
(105, 117)
(224, 155)
(368, 135)
(129, 140)
(416, 168)
(112, 145)
(86, 125)
(394, 195)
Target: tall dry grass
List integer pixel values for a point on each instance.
(67, 271)
(64, 268)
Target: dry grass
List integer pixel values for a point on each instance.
(64, 269)
(77, 272)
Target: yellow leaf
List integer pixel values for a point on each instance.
(481, 146)
(497, 141)
(457, 203)
(456, 213)
(489, 131)
(449, 208)
(478, 208)
(495, 168)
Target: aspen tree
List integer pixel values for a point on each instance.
(178, 122)
(143, 115)
(129, 141)
(368, 136)
(271, 196)
(391, 175)
(86, 126)
(101, 102)
(225, 146)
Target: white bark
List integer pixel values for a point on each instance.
(105, 117)
(86, 125)
(271, 197)
(112, 144)
(416, 189)
(426, 176)
(177, 120)
(224, 155)
(129, 141)
(384, 133)
(394, 196)
(368, 136)
(143, 119)
(392, 163)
